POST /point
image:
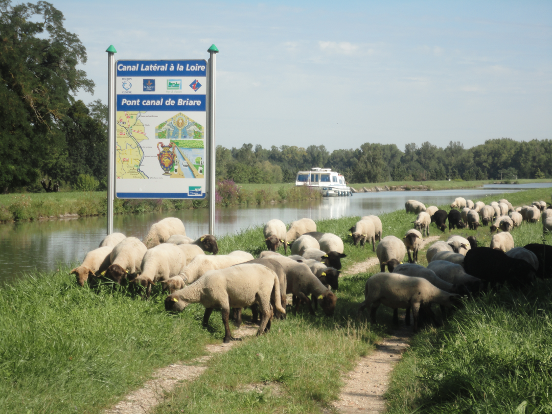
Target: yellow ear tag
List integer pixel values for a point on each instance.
(281, 241)
(126, 271)
(400, 263)
(175, 300)
(364, 235)
(320, 297)
(350, 234)
(323, 273)
(325, 256)
(201, 239)
(103, 273)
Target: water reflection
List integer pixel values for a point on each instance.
(44, 245)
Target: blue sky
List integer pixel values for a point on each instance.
(343, 73)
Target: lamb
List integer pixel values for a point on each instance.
(496, 267)
(456, 258)
(207, 242)
(458, 202)
(431, 210)
(390, 252)
(298, 228)
(505, 223)
(478, 206)
(413, 241)
(440, 218)
(502, 241)
(399, 291)
(541, 205)
(455, 220)
(202, 264)
(496, 208)
(532, 215)
(544, 254)
(464, 214)
(303, 243)
(524, 254)
(124, 260)
(546, 213)
(413, 206)
(459, 244)
(473, 220)
(378, 227)
(510, 207)
(436, 247)
(470, 204)
(275, 234)
(331, 259)
(329, 242)
(422, 222)
(547, 225)
(364, 230)
(517, 218)
(238, 287)
(161, 231)
(301, 282)
(487, 214)
(523, 212)
(455, 274)
(91, 263)
(503, 209)
(112, 239)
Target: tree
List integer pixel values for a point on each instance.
(38, 71)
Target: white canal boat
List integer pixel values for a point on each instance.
(330, 183)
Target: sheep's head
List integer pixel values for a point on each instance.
(455, 301)
(505, 225)
(460, 290)
(82, 274)
(461, 224)
(209, 243)
(392, 264)
(356, 237)
(410, 239)
(173, 284)
(272, 243)
(475, 225)
(329, 300)
(493, 228)
(473, 242)
(330, 276)
(174, 303)
(333, 259)
(116, 273)
(443, 228)
(485, 221)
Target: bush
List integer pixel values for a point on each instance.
(86, 182)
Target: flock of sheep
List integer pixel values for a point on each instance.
(311, 273)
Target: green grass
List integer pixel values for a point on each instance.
(444, 185)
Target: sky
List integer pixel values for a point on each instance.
(344, 73)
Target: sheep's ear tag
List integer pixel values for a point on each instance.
(175, 300)
(281, 241)
(350, 234)
(323, 274)
(400, 262)
(325, 256)
(126, 271)
(320, 297)
(103, 273)
(201, 239)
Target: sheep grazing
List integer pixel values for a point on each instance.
(161, 231)
(399, 291)
(391, 251)
(478, 206)
(455, 274)
(238, 287)
(452, 257)
(503, 223)
(458, 202)
(362, 231)
(544, 254)
(431, 210)
(464, 214)
(275, 234)
(524, 254)
(440, 219)
(124, 260)
(303, 243)
(510, 207)
(331, 259)
(459, 244)
(546, 213)
(502, 241)
(517, 218)
(91, 263)
(415, 270)
(378, 227)
(301, 282)
(470, 204)
(496, 208)
(207, 242)
(487, 214)
(455, 220)
(413, 206)
(496, 267)
(422, 222)
(473, 220)
(190, 252)
(413, 241)
(436, 247)
(327, 275)
(532, 215)
(503, 209)
(298, 228)
(329, 242)
(202, 264)
(112, 239)
(547, 225)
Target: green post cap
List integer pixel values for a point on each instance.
(213, 49)
(111, 49)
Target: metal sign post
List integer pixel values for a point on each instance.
(111, 136)
(211, 186)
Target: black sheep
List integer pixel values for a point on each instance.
(455, 220)
(440, 218)
(544, 254)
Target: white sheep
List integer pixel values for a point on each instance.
(423, 222)
(124, 260)
(505, 223)
(202, 264)
(547, 225)
(459, 244)
(532, 215)
(439, 246)
(331, 259)
(503, 209)
(112, 239)
(301, 283)
(502, 241)
(378, 227)
(459, 202)
(431, 210)
(207, 242)
(517, 218)
(546, 213)
(478, 206)
(91, 263)
(473, 219)
(413, 241)
(303, 243)
(449, 257)
(176, 282)
(416, 270)
(464, 214)
(470, 204)
(414, 206)
(510, 207)
(455, 274)
(496, 208)
(391, 251)
(364, 230)
(330, 242)
(300, 227)
(487, 214)
(236, 286)
(161, 231)
(399, 291)
(524, 254)
(275, 233)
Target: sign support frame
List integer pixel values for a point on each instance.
(211, 99)
(111, 125)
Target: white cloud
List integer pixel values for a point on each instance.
(342, 48)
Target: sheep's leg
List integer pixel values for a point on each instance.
(227, 334)
(415, 255)
(407, 316)
(382, 267)
(238, 317)
(396, 316)
(415, 314)
(373, 243)
(266, 313)
(373, 311)
(361, 308)
(148, 290)
(206, 316)
(255, 313)
(314, 301)
(302, 297)
(409, 257)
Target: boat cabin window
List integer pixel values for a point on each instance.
(325, 178)
(303, 178)
(334, 179)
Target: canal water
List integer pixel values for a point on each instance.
(46, 245)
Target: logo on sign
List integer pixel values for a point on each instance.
(195, 85)
(149, 85)
(126, 85)
(174, 84)
(194, 191)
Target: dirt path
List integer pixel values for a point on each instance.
(367, 383)
(165, 379)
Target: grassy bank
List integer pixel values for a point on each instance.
(445, 185)
(69, 349)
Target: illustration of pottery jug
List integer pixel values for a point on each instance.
(166, 157)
